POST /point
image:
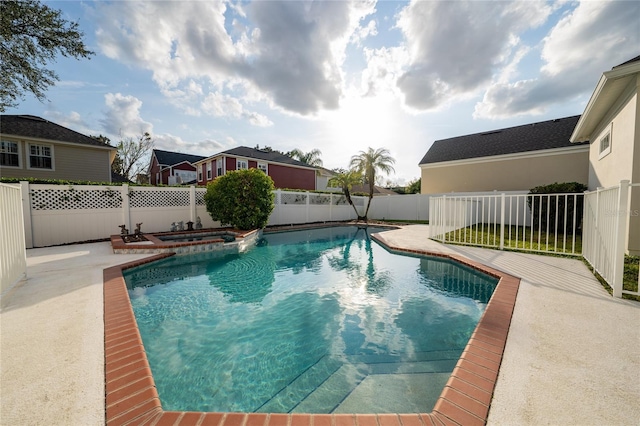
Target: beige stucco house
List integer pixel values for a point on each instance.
(611, 122)
(32, 147)
(511, 159)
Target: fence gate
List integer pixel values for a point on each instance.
(607, 224)
(13, 255)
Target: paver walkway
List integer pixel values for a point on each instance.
(572, 357)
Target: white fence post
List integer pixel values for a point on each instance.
(192, 203)
(502, 200)
(126, 216)
(26, 214)
(620, 237)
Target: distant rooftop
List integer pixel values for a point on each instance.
(529, 137)
(169, 158)
(30, 126)
(259, 154)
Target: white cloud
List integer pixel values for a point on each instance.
(219, 105)
(362, 33)
(456, 47)
(122, 116)
(74, 120)
(575, 53)
(384, 67)
(289, 52)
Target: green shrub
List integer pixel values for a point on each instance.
(555, 206)
(242, 199)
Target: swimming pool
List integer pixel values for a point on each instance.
(331, 323)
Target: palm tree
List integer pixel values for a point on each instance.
(346, 180)
(368, 163)
(311, 158)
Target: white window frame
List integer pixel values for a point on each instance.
(603, 152)
(209, 168)
(199, 172)
(240, 162)
(51, 156)
(219, 167)
(19, 153)
(264, 167)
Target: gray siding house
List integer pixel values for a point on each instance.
(32, 147)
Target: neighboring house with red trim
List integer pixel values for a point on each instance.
(285, 171)
(32, 147)
(172, 168)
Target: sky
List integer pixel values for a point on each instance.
(339, 76)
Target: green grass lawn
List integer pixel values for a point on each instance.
(516, 238)
(489, 235)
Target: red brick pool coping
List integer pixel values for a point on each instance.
(132, 399)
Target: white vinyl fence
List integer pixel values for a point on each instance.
(13, 258)
(606, 228)
(532, 222)
(62, 214)
(309, 207)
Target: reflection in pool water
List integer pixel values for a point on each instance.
(319, 321)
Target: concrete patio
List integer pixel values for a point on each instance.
(572, 356)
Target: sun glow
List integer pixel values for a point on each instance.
(363, 122)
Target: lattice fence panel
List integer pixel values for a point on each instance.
(158, 198)
(65, 198)
(339, 200)
(200, 197)
(293, 198)
(319, 199)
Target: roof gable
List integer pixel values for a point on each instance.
(529, 137)
(270, 156)
(170, 158)
(30, 126)
(611, 86)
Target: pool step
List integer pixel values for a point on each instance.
(328, 382)
(289, 397)
(333, 391)
(329, 396)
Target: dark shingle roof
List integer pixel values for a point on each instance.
(30, 126)
(272, 156)
(636, 59)
(169, 158)
(530, 137)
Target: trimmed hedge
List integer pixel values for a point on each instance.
(555, 205)
(243, 199)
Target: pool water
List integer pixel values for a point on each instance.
(315, 321)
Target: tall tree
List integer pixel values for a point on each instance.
(345, 179)
(414, 186)
(132, 157)
(311, 158)
(368, 163)
(31, 35)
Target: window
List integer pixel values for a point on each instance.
(199, 172)
(9, 154)
(263, 167)
(209, 166)
(605, 145)
(219, 171)
(40, 157)
(241, 164)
